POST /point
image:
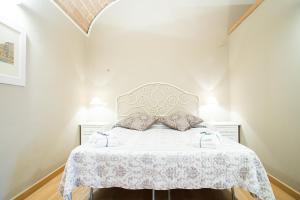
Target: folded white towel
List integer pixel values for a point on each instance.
(209, 139)
(100, 139)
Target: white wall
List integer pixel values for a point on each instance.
(38, 123)
(139, 41)
(265, 81)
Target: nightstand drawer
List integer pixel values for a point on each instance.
(85, 138)
(228, 130)
(231, 137)
(92, 130)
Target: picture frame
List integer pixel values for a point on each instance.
(12, 54)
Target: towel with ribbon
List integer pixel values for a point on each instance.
(209, 139)
(100, 139)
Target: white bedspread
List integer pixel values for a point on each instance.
(165, 159)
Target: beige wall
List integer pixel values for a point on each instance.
(38, 123)
(131, 45)
(265, 82)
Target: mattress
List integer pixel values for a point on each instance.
(164, 159)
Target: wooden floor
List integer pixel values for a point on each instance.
(49, 192)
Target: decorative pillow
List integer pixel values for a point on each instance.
(193, 120)
(137, 121)
(177, 120)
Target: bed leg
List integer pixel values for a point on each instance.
(233, 194)
(153, 194)
(91, 194)
(169, 194)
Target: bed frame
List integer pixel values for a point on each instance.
(157, 99)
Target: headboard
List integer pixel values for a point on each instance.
(158, 99)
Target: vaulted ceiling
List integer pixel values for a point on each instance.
(84, 12)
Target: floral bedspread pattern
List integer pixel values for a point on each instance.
(185, 167)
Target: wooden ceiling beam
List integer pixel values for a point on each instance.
(248, 12)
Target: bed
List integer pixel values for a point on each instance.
(161, 158)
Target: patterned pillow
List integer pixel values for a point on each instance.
(194, 120)
(177, 120)
(137, 121)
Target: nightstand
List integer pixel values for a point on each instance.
(87, 129)
(230, 130)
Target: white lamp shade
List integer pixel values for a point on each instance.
(96, 101)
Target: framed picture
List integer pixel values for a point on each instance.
(12, 54)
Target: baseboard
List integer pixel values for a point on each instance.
(26, 193)
(289, 190)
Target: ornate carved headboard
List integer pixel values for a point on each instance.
(157, 99)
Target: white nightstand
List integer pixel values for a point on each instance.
(230, 130)
(87, 129)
